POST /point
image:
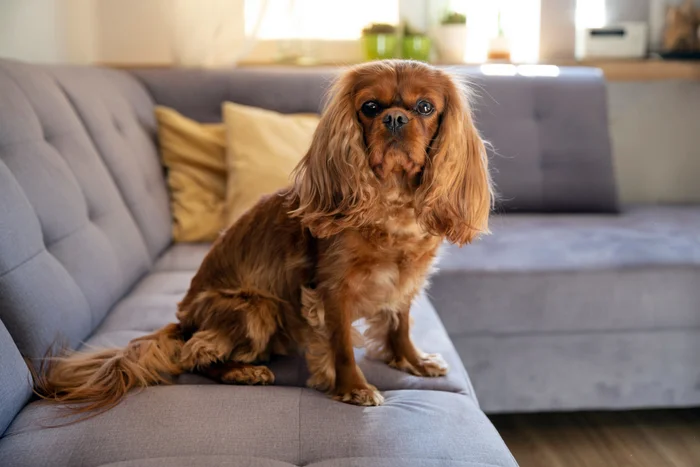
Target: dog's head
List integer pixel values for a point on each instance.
(395, 125)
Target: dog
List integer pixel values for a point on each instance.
(396, 166)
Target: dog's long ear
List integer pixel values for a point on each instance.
(333, 184)
(455, 196)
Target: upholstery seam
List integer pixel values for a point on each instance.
(241, 456)
(537, 117)
(574, 333)
(234, 456)
(459, 461)
(43, 139)
(31, 430)
(301, 395)
(627, 268)
(64, 236)
(22, 263)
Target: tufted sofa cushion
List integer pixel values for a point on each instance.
(117, 113)
(551, 148)
(218, 425)
(84, 207)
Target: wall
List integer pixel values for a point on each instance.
(125, 24)
(49, 31)
(85, 31)
(139, 31)
(654, 126)
(557, 30)
(655, 132)
(29, 30)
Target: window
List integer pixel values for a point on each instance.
(316, 19)
(520, 21)
(590, 13)
(327, 30)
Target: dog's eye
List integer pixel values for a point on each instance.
(424, 108)
(371, 109)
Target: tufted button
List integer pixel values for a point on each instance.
(148, 185)
(91, 213)
(117, 125)
(537, 114)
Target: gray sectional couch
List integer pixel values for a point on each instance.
(86, 256)
(573, 302)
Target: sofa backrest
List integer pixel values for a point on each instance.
(549, 135)
(84, 207)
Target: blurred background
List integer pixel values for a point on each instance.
(226, 32)
(647, 49)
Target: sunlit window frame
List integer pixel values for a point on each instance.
(329, 51)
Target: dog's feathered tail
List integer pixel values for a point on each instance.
(97, 381)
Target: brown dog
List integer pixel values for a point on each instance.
(396, 166)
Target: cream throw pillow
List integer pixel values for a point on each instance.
(194, 154)
(262, 149)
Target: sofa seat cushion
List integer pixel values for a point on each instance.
(578, 312)
(560, 273)
(153, 303)
(267, 426)
(246, 461)
(182, 257)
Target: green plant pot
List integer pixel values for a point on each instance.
(416, 48)
(379, 46)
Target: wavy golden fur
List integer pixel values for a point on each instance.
(395, 167)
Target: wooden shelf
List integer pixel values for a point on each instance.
(643, 70)
(614, 70)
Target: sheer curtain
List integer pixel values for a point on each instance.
(520, 21)
(224, 32)
(216, 33)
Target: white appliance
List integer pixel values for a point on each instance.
(621, 40)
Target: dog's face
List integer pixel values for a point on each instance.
(400, 115)
(394, 120)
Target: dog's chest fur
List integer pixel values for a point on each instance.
(387, 264)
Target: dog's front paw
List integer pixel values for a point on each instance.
(366, 396)
(431, 365)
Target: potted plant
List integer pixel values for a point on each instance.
(379, 41)
(499, 46)
(451, 37)
(415, 45)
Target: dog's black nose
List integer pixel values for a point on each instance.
(395, 119)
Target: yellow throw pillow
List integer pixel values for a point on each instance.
(263, 147)
(194, 154)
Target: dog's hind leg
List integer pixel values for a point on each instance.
(204, 349)
(233, 326)
(239, 373)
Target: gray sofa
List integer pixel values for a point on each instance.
(86, 257)
(574, 302)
